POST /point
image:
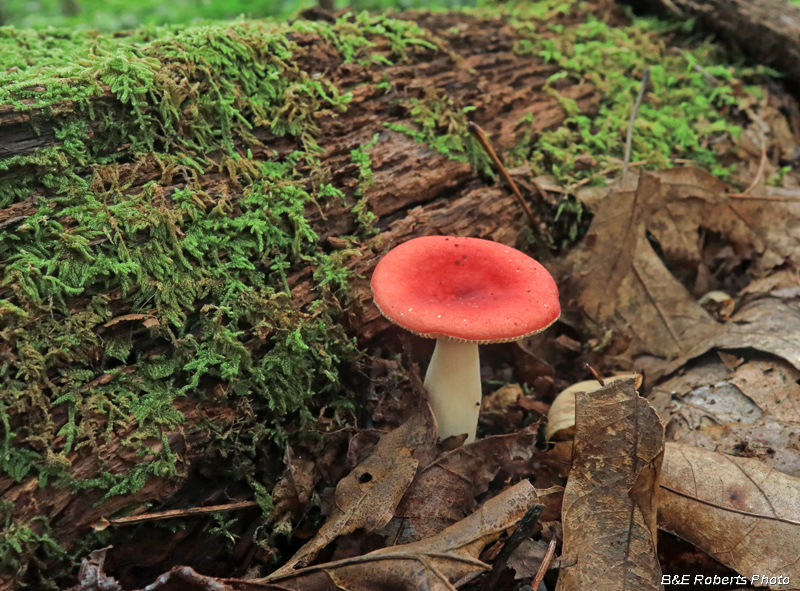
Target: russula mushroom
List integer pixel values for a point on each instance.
(463, 292)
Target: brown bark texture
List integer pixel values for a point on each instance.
(416, 191)
(767, 31)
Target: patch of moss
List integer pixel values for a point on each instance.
(120, 298)
(682, 110)
(24, 545)
(442, 125)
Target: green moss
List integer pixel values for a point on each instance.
(21, 541)
(442, 125)
(120, 300)
(366, 219)
(681, 113)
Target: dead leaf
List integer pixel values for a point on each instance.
(620, 280)
(561, 417)
(609, 515)
(706, 407)
(739, 510)
(777, 393)
(92, 576)
(444, 491)
(527, 559)
(769, 325)
(438, 563)
(293, 491)
(367, 497)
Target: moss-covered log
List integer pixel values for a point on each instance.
(180, 215)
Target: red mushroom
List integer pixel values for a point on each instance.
(463, 292)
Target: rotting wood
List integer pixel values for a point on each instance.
(767, 31)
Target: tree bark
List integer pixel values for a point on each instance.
(767, 31)
(416, 191)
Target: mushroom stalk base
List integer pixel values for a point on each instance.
(453, 382)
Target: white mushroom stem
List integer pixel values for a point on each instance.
(453, 382)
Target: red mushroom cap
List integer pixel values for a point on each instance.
(465, 288)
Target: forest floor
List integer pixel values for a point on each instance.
(664, 179)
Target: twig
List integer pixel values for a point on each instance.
(104, 523)
(476, 132)
(548, 558)
(761, 164)
(636, 105)
(595, 374)
(523, 532)
(695, 66)
(763, 197)
(605, 171)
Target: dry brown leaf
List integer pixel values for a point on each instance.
(444, 491)
(561, 417)
(620, 277)
(293, 491)
(367, 497)
(620, 280)
(768, 324)
(609, 515)
(739, 510)
(773, 386)
(706, 407)
(439, 563)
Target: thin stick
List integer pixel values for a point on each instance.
(695, 66)
(636, 105)
(605, 171)
(104, 523)
(548, 558)
(761, 165)
(523, 532)
(763, 197)
(476, 132)
(595, 374)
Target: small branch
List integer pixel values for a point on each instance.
(548, 558)
(605, 171)
(478, 134)
(695, 66)
(763, 197)
(636, 105)
(523, 532)
(104, 523)
(595, 374)
(761, 164)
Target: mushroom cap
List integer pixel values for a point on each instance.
(465, 288)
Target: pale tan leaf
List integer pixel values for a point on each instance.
(773, 386)
(125, 318)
